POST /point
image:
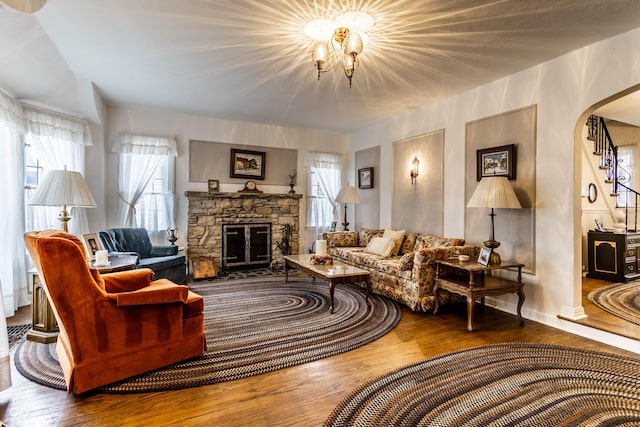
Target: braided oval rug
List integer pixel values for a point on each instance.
(620, 299)
(501, 385)
(251, 327)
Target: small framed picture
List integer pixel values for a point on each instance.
(334, 224)
(485, 256)
(214, 186)
(496, 161)
(92, 244)
(365, 178)
(247, 164)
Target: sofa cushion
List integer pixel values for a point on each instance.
(408, 243)
(341, 239)
(398, 235)
(366, 234)
(382, 246)
(427, 241)
(406, 262)
(160, 263)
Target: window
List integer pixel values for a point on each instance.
(627, 174)
(324, 182)
(146, 181)
(151, 211)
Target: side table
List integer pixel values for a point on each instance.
(469, 279)
(44, 327)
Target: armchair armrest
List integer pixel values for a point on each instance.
(159, 292)
(164, 250)
(126, 281)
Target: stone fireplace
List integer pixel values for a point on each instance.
(208, 212)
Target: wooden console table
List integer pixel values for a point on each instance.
(469, 279)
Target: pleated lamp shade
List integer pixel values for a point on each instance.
(63, 188)
(494, 192)
(347, 194)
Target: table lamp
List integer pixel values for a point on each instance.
(494, 192)
(63, 188)
(347, 194)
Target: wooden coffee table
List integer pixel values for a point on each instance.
(334, 274)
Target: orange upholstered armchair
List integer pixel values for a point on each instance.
(116, 325)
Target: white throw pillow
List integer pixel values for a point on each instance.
(380, 246)
(398, 236)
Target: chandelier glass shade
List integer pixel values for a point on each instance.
(338, 41)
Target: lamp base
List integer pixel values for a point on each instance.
(491, 244)
(495, 258)
(345, 226)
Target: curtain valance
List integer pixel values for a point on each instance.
(43, 122)
(144, 144)
(11, 112)
(323, 160)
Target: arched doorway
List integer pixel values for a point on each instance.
(621, 109)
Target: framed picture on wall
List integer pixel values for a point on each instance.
(214, 186)
(365, 177)
(247, 164)
(496, 161)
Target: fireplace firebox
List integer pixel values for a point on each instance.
(246, 245)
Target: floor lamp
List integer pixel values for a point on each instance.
(63, 188)
(494, 192)
(347, 194)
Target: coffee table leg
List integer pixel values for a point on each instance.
(369, 285)
(332, 286)
(436, 288)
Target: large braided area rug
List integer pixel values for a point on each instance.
(251, 328)
(620, 299)
(501, 385)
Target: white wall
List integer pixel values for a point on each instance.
(184, 127)
(563, 89)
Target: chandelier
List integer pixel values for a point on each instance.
(338, 41)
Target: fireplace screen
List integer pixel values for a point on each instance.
(246, 245)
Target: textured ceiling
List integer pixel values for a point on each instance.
(249, 59)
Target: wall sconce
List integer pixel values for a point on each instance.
(414, 169)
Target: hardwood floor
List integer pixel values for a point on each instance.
(600, 319)
(298, 396)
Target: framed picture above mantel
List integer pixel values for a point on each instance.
(247, 164)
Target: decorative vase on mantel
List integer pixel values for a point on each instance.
(292, 181)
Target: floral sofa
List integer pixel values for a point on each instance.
(408, 277)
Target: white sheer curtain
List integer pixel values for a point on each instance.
(140, 156)
(321, 212)
(13, 275)
(59, 142)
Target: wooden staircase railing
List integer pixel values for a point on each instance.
(615, 174)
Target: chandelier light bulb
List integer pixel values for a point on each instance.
(320, 55)
(353, 44)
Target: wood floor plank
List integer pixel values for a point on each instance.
(298, 396)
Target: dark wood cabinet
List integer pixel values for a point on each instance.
(613, 256)
(246, 245)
